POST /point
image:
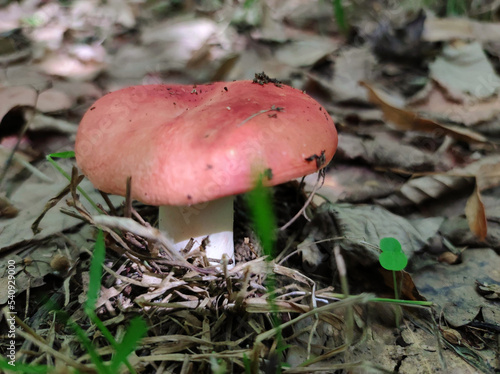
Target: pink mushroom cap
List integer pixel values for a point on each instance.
(185, 144)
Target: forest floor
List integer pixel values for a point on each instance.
(414, 94)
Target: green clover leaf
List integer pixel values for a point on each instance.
(392, 256)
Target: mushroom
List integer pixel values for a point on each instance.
(190, 149)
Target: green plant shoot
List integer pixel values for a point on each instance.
(22, 368)
(339, 14)
(137, 328)
(393, 258)
(95, 273)
(260, 205)
(261, 211)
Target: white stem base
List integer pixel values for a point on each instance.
(213, 219)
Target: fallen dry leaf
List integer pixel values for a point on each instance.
(453, 28)
(352, 65)
(306, 52)
(255, 60)
(476, 215)
(406, 286)
(51, 100)
(381, 151)
(65, 65)
(453, 287)
(310, 252)
(348, 183)
(407, 120)
(308, 15)
(11, 97)
(488, 176)
(180, 38)
(272, 27)
(452, 336)
(464, 69)
(25, 75)
(489, 291)
(434, 102)
(360, 224)
(419, 189)
(30, 199)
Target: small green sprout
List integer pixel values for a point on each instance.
(393, 258)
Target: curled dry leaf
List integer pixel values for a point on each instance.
(386, 150)
(407, 120)
(452, 336)
(434, 102)
(407, 288)
(449, 258)
(419, 189)
(7, 210)
(489, 291)
(476, 215)
(488, 176)
(310, 252)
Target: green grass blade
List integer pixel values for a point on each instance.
(247, 364)
(135, 332)
(261, 212)
(339, 14)
(456, 8)
(107, 334)
(89, 347)
(95, 272)
(95, 275)
(22, 368)
(67, 154)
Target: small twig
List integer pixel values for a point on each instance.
(317, 186)
(67, 176)
(127, 211)
(109, 203)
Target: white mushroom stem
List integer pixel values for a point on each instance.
(213, 219)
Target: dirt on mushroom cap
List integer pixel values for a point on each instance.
(188, 144)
